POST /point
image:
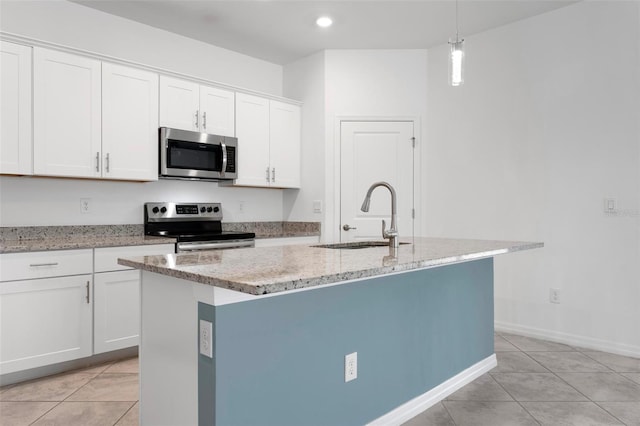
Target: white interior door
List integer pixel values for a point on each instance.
(373, 151)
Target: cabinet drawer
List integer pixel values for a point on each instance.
(106, 259)
(45, 264)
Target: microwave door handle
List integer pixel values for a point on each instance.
(224, 157)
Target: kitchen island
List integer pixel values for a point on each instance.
(283, 319)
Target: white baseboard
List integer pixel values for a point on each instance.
(569, 339)
(421, 403)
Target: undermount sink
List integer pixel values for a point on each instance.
(356, 245)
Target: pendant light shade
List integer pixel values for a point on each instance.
(456, 62)
(456, 57)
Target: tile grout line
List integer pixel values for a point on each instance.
(125, 413)
(609, 412)
(46, 412)
(448, 413)
(512, 397)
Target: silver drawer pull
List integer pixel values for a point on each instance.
(34, 265)
(87, 298)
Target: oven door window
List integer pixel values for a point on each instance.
(194, 156)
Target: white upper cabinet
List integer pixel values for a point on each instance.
(129, 123)
(67, 114)
(252, 131)
(268, 142)
(217, 108)
(93, 120)
(15, 109)
(179, 104)
(190, 106)
(284, 136)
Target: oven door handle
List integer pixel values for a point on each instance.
(214, 246)
(224, 157)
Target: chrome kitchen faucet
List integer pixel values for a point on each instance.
(391, 234)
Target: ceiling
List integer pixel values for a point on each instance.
(284, 31)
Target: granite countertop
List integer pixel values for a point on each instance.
(265, 270)
(23, 239)
(79, 242)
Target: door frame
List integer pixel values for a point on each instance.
(334, 167)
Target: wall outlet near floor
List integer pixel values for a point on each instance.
(554, 295)
(206, 342)
(351, 367)
(85, 205)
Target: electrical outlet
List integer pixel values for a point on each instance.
(351, 367)
(206, 343)
(554, 295)
(241, 207)
(85, 205)
(317, 206)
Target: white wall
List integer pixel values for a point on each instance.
(545, 127)
(41, 201)
(353, 83)
(80, 27)
(305, 80)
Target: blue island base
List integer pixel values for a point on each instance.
(280, 360)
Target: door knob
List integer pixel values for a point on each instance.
(347, 227)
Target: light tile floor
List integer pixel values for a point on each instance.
(544, 383)
(105, 395)
(535, 383)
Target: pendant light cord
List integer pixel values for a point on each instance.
(457, 37)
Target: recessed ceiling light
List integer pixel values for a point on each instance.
(324, 22)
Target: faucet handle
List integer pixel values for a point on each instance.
(384, 229)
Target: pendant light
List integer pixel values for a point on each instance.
(456, 57)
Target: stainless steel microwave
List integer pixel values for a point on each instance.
(193, 155)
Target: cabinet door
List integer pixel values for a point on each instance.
(67, 116)
(252, 131)
(284, 137)
(129, 123)
(15, 109)
(116, 310)
(179, 104)
(44, 321)
(217, 109)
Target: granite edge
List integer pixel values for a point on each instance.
(287, 285)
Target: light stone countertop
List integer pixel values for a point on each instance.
(265, 270)
(22, 239)
(79, 242)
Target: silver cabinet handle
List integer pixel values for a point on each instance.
(273, 174)
(224, 157)
(204, 120)
(197, 112)
(97, 161)
(267, 174)
(87, 291)
(107, 161)
(35, 265)
(346, 227)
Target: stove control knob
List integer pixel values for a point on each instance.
(155, 210)
(216, 209)
(163, 210)
(202, 209)
(209, 209)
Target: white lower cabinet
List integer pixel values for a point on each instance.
(62, 305)
(116, 306)
(116, 310)
(44, 321)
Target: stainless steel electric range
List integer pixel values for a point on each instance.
(196, 226)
